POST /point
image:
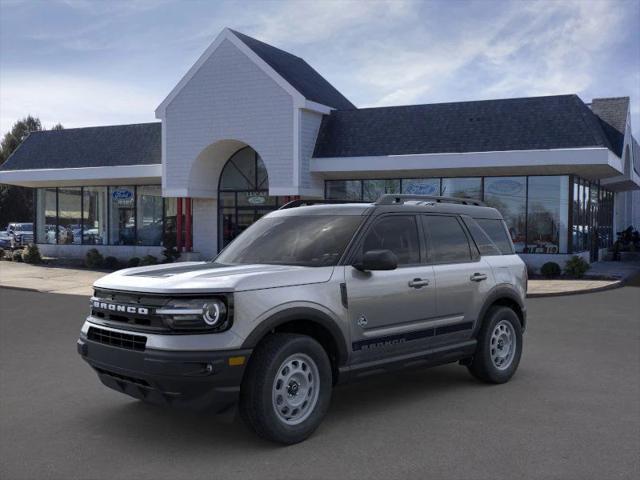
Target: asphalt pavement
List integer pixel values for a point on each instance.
(571, 412)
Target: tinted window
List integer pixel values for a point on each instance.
(498, 234)
(314, 241)
(398, 234)
(485, 244)
(447, 240)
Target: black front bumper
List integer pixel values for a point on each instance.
(182, 379)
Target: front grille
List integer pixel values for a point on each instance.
(117, 339)
(126, 319)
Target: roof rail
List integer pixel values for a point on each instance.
(304, 203)
(392, 199)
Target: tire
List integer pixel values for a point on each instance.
(492, 363)
(289, 375)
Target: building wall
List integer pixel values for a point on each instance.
(309, 127)
(229, 97)
(205, 227)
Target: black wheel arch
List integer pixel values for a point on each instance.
(308, 321)
(507, 296)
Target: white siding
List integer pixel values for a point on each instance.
(309, 126)
(205, 221)
(229, 97)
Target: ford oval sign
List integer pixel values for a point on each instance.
(505, 187)
(122, 194)
(256, 200)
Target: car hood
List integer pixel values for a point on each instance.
(201, 277)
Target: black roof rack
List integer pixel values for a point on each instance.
(392, 199)
(304, 203)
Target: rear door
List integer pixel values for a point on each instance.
(462, 278)
(388, 309)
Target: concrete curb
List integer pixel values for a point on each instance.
(25, 289)
(618, 284)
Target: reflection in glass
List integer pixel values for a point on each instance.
(94, 216)
(149, 215)
(547, 217)
(344, 190)
(46, 216)
(374, 189)
(462, 187)
(122, 221)
(421, 186)
(509, 196)
(69, 216)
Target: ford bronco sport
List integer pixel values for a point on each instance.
(309, 296)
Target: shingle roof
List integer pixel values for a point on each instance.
(298, 73)
(137, 144)
(613, 116)
(534, 123)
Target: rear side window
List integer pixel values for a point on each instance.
(486, 246)
(446, 239)
(397, 233)
(497, 232)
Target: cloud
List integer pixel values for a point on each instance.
(72, 100)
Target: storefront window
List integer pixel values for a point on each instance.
(94, 215)
(46, 215)
(122, 219)
(70, 216)
(421, 186)
(509, 196)
(374, 189)
(547, 216)
(149, 215)
(344, 190)
(462, 187)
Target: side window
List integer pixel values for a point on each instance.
(447, 241)
(497, 231)
(483, 241)
(397, 233)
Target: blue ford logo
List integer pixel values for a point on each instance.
(122, 194)
(418, 188)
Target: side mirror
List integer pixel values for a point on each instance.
(377, 260)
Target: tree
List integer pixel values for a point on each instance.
(16, 203)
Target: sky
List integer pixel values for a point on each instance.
(102, 62)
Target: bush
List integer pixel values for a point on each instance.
(148, 260)
(111, 263)
(16, 256)
(550, 269)
(31, 254)
(576, 267)
(133, 262)
(93, 259)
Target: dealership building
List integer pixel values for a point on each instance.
(250, 127)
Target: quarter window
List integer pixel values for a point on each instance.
(447, 241)
(398, 233)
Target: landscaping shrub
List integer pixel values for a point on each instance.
(16, 256)
(31, 254)
(133, 262)
(93, 259)
(111, 263)
(550, 269)
(576, 267)
(148, 260)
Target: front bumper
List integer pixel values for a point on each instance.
(183, 379)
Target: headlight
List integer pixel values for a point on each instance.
(196, 314)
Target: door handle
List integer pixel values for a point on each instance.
(478, 277)
(418, 283)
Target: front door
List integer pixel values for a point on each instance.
(388, 309)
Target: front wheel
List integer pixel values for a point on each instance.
(499, 346)
(287, 388)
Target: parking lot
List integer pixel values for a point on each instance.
(571, 411)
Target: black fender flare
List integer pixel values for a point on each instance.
(300, 313)
(498, 293)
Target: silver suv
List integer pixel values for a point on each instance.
(310, 296)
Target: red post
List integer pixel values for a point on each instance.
(179, 224)
(188, 241)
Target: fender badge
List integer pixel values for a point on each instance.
(362, 321)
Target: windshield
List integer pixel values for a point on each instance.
(24, 227)
(312, 241)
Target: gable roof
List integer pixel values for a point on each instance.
(137, 144)
(534, 123)
(612, 113)
(298, 73)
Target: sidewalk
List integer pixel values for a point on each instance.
(39, 278)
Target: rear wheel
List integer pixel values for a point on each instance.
(287, 388)
(499, 346)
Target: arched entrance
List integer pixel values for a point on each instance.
(243, 194)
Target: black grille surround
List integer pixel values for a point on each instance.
(117, 339)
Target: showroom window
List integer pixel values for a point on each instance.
(374, 189)
(69, 216)
(344, 190)
(46, 215)
(94, 215)
(548, 214)
(149, 215)
(122, 217)
(462, 187)
(509, 196)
